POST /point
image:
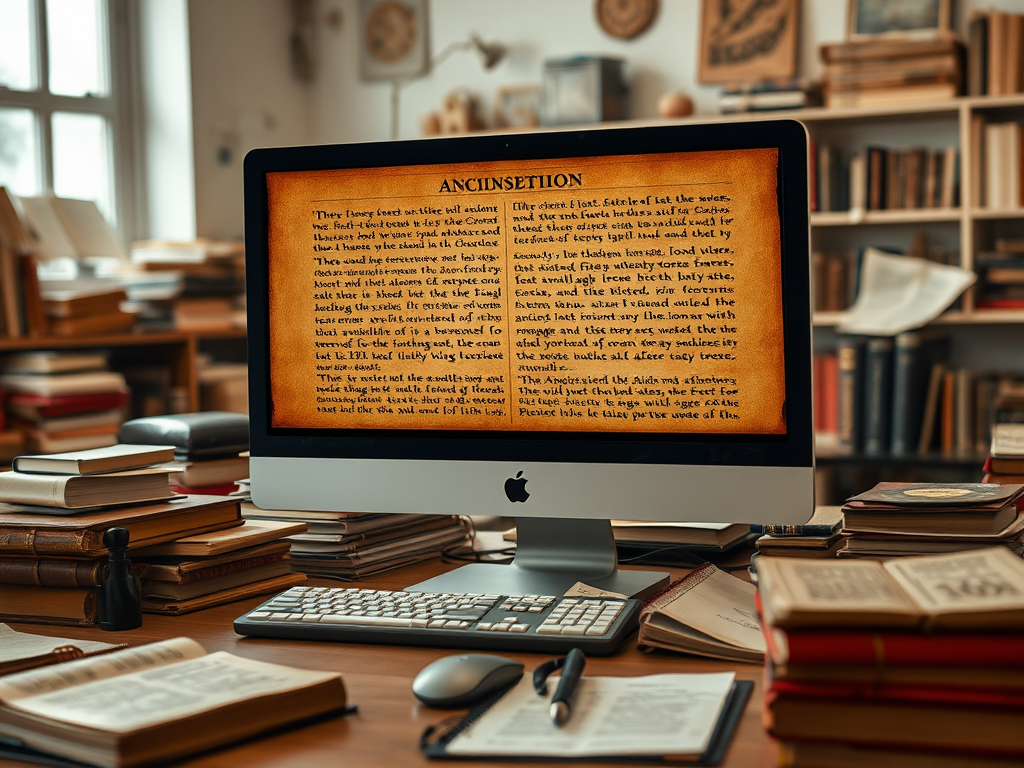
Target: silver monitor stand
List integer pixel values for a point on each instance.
(552, 554)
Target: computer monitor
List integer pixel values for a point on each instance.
(567, 327)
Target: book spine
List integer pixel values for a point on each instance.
(907, 393)
(226, 569)
(910, 649)
(52, 572)
(850, 354)
(19, 541)
(877, 395)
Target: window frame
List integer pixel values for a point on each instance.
(117, 50)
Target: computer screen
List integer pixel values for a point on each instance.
(569, 327)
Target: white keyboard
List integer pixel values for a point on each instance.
(495, 622)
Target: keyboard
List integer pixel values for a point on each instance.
(482, 622)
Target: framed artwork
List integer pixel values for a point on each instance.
(870, 18)
(745, 41)
(393, 38)
(517, 106)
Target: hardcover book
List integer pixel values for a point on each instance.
(939, 592)
(72, 492)
(112, 458)
(26, 531)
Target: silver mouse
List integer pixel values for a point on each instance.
(458, 681)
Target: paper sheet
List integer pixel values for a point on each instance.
(898, 293)
(673, 714)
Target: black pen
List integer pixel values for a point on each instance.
(568, 683)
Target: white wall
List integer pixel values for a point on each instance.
(243, 96)
(166, 111)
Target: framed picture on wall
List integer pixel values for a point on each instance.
(747, 42)
(870, 18)
(393, 38)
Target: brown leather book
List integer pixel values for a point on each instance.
(179, 570)
(52, 572)
(90, 325)
(26, 531)
(58, 572)
(50, 605)
(230, 595)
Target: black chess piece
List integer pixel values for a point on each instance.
(120, 595)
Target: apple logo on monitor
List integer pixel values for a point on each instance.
(515, 488)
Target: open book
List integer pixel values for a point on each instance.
(20, 650)
(157, 702)
(977, 590)
(708, 613)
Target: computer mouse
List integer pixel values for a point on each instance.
(458, 681)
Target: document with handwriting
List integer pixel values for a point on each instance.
(656, 715)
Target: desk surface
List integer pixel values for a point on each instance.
(386, 730)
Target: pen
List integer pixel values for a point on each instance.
(568, 683)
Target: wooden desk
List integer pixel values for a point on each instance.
(386, 730)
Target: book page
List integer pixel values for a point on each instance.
(634, 293)
(166, 692)
(39, 682)
(612, 716)
(990, 579)
(848, 586)
(721, 606)
(16, 645)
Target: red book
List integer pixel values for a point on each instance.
(893, 691)
(893, 648)
(32, 406)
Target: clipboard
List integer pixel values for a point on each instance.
(435, 739)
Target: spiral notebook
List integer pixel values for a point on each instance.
(671, 718)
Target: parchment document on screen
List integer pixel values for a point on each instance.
(636, 293)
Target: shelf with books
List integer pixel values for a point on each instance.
(162, 364)
(856, 218)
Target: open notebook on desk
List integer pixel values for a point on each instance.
(671, 717)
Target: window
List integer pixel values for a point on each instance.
(63, 108)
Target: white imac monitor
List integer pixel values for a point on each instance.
(567, 327)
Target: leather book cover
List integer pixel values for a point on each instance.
(49, 605)
(52, 572)
(179, 607)
(190, 571)
(211, 433)
(248, 534)
(33, 531)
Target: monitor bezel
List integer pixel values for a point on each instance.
(794, 449)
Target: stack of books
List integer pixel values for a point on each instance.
(85, 311)
(212, 295)
(54, 510)
(912, 662)
(217, 476)
(770, 95)
(1001, 274)
(63, 401)
(354, 545)
(1005, 462)
(223, 566)
(821, 536)
(892, 71)
(896, 519)
(666, 543)
(210, 448)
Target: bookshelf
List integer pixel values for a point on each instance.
(981, 339)
(176, 352)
